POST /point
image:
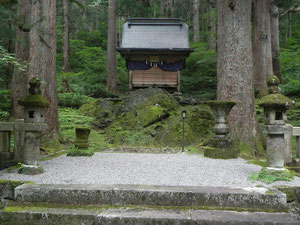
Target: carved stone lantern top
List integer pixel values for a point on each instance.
(275, 104)
(34, 103)
(275, 99)
(34, 98)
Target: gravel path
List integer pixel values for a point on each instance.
(146, 169)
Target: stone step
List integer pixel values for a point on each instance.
(13, 215)
(259, 198)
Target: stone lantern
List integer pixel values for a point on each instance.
(34, 108)
(221, 145)
(279, 133)
(34, 104)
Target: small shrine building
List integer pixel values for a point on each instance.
(155, 51)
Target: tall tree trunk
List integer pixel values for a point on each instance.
(10, 48)
(262, 45)
(170, 8)
(66, 38)
(235, 65)
(196, 20)
(275, 40)
(43, 56)
(74, 10)
(290, 25)
(154, 8)
(162, 5)
(212, 30)
(20, 78)
(111, 48)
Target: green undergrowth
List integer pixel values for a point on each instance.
(14, 183)
(21, 207)
(70, 119)
(269, 176)
(80, 152)
(260, 162)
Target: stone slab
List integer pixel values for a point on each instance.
(50, 216)
(7, 126)
(34, 127)
(151, 195)
(277, 129)
(140, 217)
(296, 131)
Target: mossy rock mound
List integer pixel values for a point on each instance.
(153, 106)
(198, 127)
(103, 111)
(155, 125)
(138, 98)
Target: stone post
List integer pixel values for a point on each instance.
(19, 140)
(34, 107)
(279, 147)
(221, 145)
(5, 144)
(82, 137)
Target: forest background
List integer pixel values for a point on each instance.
(84, 77)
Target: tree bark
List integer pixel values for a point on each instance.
(20, 78)
(262, 45)
(162, 8)
(196, 20)
(235, 66)
(154, 8)
(275, 40)
(111, 48)
(10, 47)
(170, 8)
(43, 56)
(290, 25)
(66, 38)
(212, 30)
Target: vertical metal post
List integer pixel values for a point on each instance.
(183, 134)
(183, 114)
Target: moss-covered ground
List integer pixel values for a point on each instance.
(161, 129)
(23, 207)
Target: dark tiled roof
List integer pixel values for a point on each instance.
(144, 33)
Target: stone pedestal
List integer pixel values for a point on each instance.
(82, 137)
(32, 148)
(221, 145)
(277, 150)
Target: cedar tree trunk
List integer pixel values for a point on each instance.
(43, 56)
(66, 39)
(20, 78)
(111, 48)
(196, 20)
(212, 27)
(275, 40)
(262, 45)
(235, 66)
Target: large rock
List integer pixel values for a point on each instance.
(150, 117)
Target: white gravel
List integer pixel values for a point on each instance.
(179, 169)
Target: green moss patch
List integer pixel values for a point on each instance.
(289, 191)
(34, 100)
(275, 101)
(269, 176)
(220, 153)
(262, 163)
(80, 152)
